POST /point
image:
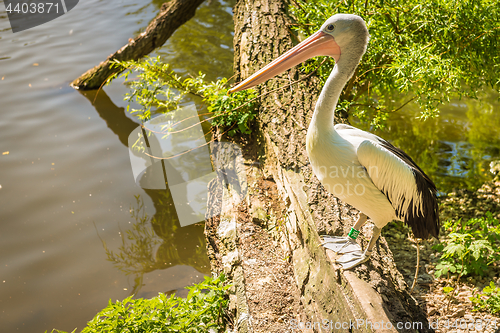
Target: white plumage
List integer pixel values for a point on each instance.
(358, 167)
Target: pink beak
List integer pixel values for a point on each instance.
(319, 44)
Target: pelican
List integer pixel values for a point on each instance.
(358, 167)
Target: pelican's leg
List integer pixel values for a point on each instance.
(345, 244)
(353, 259)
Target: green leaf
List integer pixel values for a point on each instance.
(447, 290)
(453, 249)
(470, 248)
(480, 246)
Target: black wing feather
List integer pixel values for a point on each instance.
(428, 224)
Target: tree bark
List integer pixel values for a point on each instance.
(262, 32)
(172, 15)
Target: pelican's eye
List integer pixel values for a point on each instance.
(330, 27)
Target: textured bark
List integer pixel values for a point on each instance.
(262, 32)
(172, 15)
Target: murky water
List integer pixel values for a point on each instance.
(67, 191)
(75, 229)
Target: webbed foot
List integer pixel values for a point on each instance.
(353, 259)
(340, 244)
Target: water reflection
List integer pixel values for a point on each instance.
(158, 243)
(204, 44)
(114, 116)
(152, 243)
(454, 158)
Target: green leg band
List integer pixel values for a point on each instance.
(353, 233)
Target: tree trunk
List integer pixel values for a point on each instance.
(172, 15)
(262, 32)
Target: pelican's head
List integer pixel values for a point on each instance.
(340, 34)
(348, 32)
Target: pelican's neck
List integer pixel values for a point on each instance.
(327, 101)
(323, 117)
(351, 40)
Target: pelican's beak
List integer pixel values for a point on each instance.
(319, 44)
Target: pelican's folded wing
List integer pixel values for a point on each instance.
(410, 191)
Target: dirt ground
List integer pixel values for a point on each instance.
(272, 293)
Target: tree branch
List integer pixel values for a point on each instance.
(172, 15)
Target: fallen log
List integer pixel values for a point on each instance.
(374, 292)
(172, 15)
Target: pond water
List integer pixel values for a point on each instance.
(70, 209)
(67, 192)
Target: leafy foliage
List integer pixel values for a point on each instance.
(158, 88)
(489, 299)
(470, 247)
(233, 110)
(201, 311)
(429, 50)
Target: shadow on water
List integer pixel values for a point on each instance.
(153, 243)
